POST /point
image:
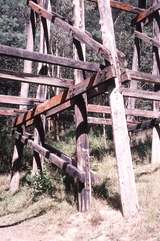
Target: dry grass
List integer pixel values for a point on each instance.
(104, 222)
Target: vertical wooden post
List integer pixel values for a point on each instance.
(15, 176)
(155, 158)
(82, 143)
(121, 138)
(136, 58)
(16, 165)
(41, 91)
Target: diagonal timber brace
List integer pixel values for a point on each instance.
(101, 78)
(77, 33)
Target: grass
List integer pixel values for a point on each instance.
(23, 205)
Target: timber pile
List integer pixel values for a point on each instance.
(101, 80)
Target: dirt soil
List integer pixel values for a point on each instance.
(101, 224)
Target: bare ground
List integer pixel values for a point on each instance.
(102, 223)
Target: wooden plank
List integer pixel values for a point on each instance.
(147, 39)
(149, 95)
(35, 79)
(155, 157)
(133, 112)
(53, 158)
(123, 6)
(139, 76)
(124, 159)
(16, 165)
(99, 121)
(60, 99)
(77, 33)
(147, 13)
(122, 148)
(16, 100)
(47, 58)
(81, 123)
(9, 111)
(144, 125)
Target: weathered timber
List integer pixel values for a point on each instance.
(147, 39)
(123, 6)
(9, 111)
(136, 60)
(148, 124)
(155, 157)
(16, 164)
(142, 94)
(122, 148)
(35, 79)
(132, 112)
(125, 169)
(82, 129)
(77, 33)
(7, 99)
(139, 76)
(147, 13)
(108, 122)
(66, 166)
(99, 121)
(60, 99)
(47, 58)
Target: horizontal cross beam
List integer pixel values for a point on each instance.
(47, 58)
(16, 100)
(148, 95)
(135, 112)
(128, 74)
(9, 111)
(35, 79)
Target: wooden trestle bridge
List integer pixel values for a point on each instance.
(108, 78)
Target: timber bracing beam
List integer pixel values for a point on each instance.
(35, 79)
(142, 94)
(64, 165)
(128, 75)
(123, 6)
(57, 101)
(47, 58)
(77, 33)
(141, 17)
(147, 39)
(135, 112)
(10, 111)
(17, 100)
